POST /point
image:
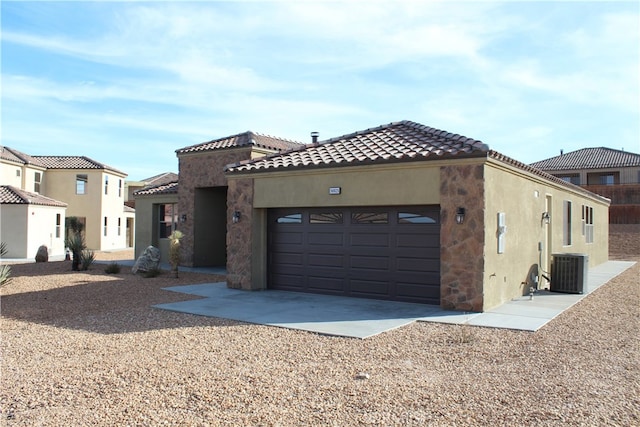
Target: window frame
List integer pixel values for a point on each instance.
(84, 179)
(37, 180)
(566, 223)
(167, 226)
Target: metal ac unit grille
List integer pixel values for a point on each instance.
(569, 273)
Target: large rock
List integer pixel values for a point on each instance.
(149, 260)
(43, 254)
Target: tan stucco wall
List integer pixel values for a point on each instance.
(145, 232)
(522, 197)
(406, 184)
(94, 205)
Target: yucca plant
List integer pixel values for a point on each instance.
(174, 250)
(5, 270)
(75, 243)
(87, 257)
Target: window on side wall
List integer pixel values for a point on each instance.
(566, 223)
(58, 226)
(119, 226)
(168, 219)
(105, 226)
(119, 188)
(37, 179)
(81, 184)
(106, 185)
(587, 223)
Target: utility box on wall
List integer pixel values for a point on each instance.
(569, 273)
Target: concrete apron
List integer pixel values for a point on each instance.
(363, 318)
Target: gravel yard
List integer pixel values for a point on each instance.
(86, 348)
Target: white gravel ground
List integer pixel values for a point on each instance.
(86, 348)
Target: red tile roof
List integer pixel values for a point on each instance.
(241, 140)
(589, 158)
(167, 188)
(163, 178)
(10, 195)
(394, 142)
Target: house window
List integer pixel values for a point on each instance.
(18, 173)
(417, 218)
(57, 226)
(106, 185)
(570, 178)
(81, 184)
(119, 225)
(168, 215)
(36, 182)
(105, 226)
(119, 188)
(566, 223)
(603, 178)
(587, 223)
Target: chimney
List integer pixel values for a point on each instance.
(314, 137)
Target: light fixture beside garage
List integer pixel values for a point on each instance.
(235, 218)
(460, 215)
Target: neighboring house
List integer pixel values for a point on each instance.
(92, 191)
(402, 212)
(132, 186)
(156, 217)
(29, 220)
(614, 174)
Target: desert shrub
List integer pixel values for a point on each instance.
(174, 250)
(75, 242)
(152, 272)
(5, 270)
(112, 268)
(87, 257)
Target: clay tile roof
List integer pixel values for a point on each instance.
(163, 178)
(128, 209)
(16, 156)
(10, 195)
(590, 158)
(166, 188)
(394, 142)
(73, 162)
(241, 140)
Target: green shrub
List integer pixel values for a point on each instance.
(5, 270)
(113, 268)
(87, 257)
(153, 272)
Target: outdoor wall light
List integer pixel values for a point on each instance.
(235, 218)
(460, 215)
(546, 219)
(183, 218)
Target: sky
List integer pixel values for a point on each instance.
(129, 83)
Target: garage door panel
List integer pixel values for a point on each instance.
(368, 288)
(326, 260)
(369, 239)
(417, 240)
(288, 258)
(289, 281)
(370, 262)
(326, 238)
(283, 238)
(417, 264)
(335, 284)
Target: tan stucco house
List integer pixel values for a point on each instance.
(614, 174)
(402, 212)
(91, 191)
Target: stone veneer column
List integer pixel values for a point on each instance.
(239, 235)
(462, 245)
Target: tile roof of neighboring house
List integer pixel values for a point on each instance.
(16, 156)
(73, 162)
(10, 195)
(394, 142)
(168, 188)
(163, 178)
(241, 140)
(590, 158)
(129, 209)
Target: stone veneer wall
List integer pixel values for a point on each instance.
(462, 245)
(239, 235)
(198, 171)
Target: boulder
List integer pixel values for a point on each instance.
(43, 254)
(149, 260)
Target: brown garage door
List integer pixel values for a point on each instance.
(384, 253)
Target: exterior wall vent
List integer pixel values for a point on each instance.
(569, 273)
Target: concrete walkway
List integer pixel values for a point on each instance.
(362, 318)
